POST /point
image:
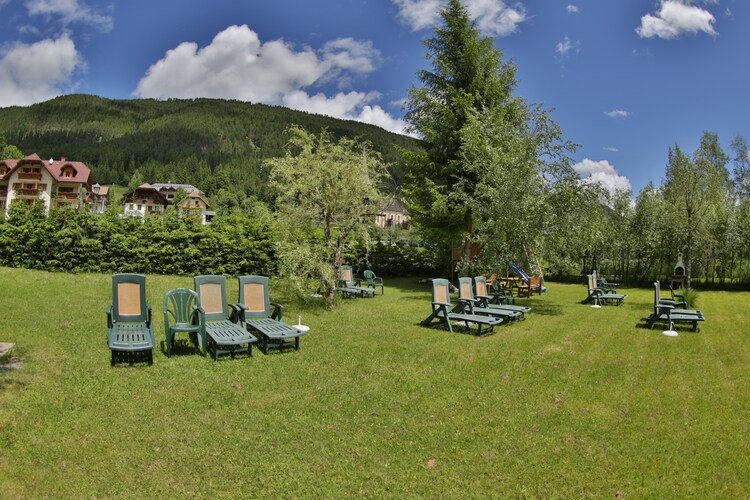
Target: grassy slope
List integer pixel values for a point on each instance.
(571, 402)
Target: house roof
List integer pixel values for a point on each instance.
(82, 173)
(396, 206)
(146, 187)
(196, 196)
(168, 186)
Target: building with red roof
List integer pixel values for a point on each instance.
(55, 183)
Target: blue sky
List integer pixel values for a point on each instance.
(625, 78)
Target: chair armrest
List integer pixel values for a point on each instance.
(149, 316)
(277, 311)
(109, 316)
(200, 314)
(237, 313)
(462, 304)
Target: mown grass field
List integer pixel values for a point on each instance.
(571, 402)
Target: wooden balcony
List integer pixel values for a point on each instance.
(27, 192)
(30, 176)
(68, 196)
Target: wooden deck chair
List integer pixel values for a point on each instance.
(183, 314)
(224, 331)
(670, 314)
(478, 306)
(255, 310)
(442, 313)
(349, 287)
(597, 295)
(130, 331)
(480, 292)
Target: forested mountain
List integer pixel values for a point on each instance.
(210, 143)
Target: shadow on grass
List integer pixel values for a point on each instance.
(678, 327)
(181, 347)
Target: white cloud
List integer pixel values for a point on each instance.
(675, 18)
(566, 46)
(349, 106)
(572, 9)
(611, 149)
(496, 17)
(69, 12)
(603, 173)
(617, 113)
(36, 72)
(237, 65)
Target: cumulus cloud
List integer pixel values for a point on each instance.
(603, 173)
(675, 18)
(617, 113)
(572, 9)
(566, 46)
(496, 17)
(238, 65)
(31, 73)
(69, 12)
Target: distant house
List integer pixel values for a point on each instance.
(55, 183)
(169, 189)
(144, 200)
(395, 214)
(99, 198)
(195, 206)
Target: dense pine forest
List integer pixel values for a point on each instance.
(213, 144)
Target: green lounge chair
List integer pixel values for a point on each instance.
(374, 281)
(478, 306)
(350, 288)
(130, 331)
(501, 292)
(255, 311)
(601, 282)
(222, 328)
(677, 300)
(670, 314)
(182, 314)
(480, 292)
(442, 313)
(599, 297)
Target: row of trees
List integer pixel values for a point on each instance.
(700, 210)
(491, 183)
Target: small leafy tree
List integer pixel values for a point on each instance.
(326, 191)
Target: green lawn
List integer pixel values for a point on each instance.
(571, 402)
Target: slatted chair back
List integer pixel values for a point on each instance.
(254, 295)
(129, 298)
(179, 305)
(441, 291)
(212, 293)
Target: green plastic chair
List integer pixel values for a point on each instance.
(183, 314)
(255, 311)
(443, 314)
(374, 281)
(224, 331)
(130, 331)
(349, 287)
